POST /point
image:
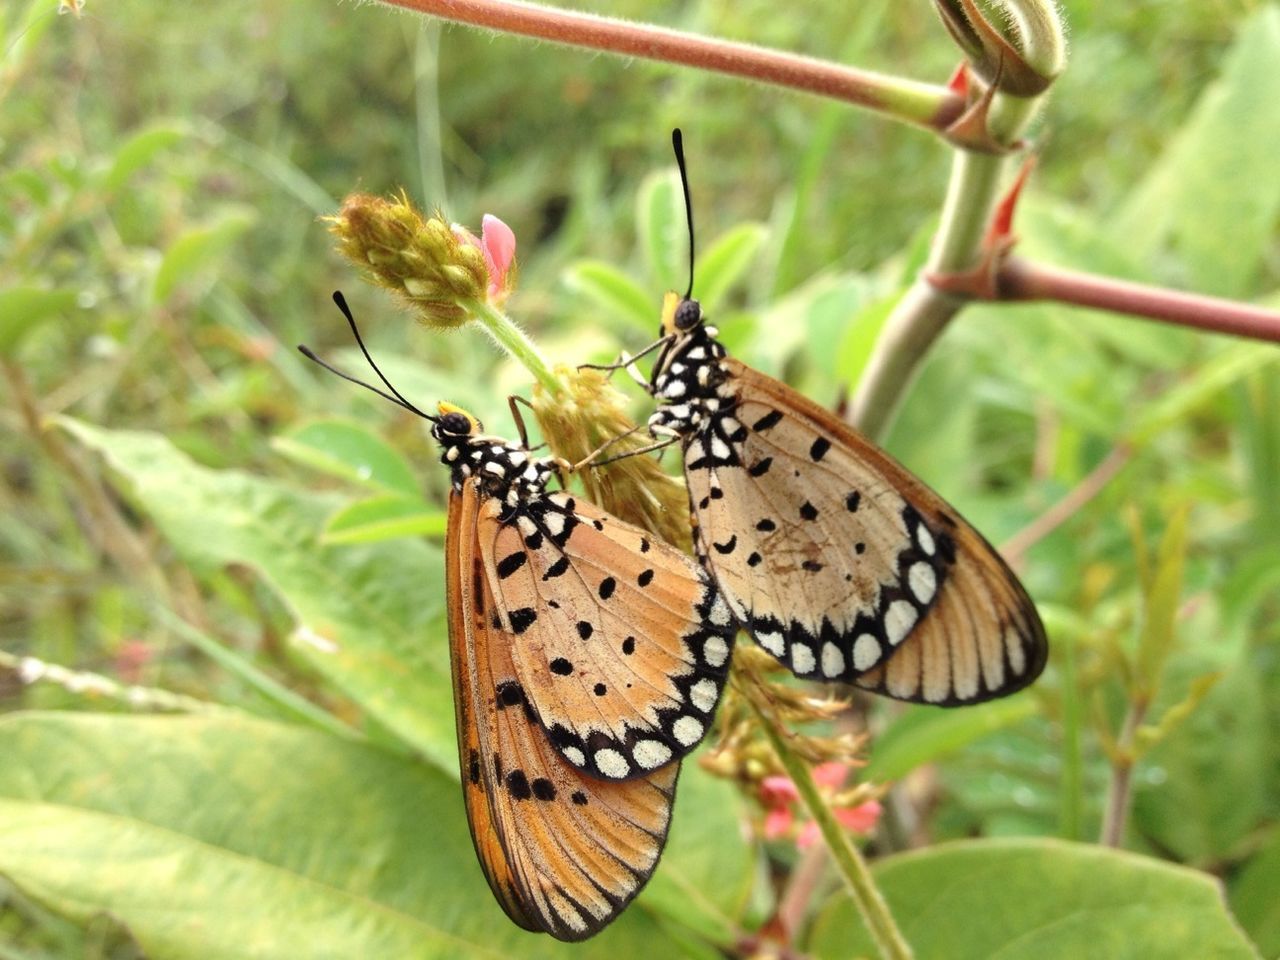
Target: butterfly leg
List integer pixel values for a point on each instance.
(656, 445)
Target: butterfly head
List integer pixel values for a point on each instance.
(679, 315)
(504, 469)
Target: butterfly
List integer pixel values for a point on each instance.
(833, 556)
(587, 658)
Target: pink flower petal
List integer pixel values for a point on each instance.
(830, 775)
(777, 823)
(778, 792)
(860, 819)
(499, 245)
(808, 835)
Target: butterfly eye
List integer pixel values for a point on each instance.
(455, 423)
(688, 314)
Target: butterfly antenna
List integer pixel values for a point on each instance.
(677, 144)
(341, 301)
(395, 396)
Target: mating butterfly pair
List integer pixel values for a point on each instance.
(588, 656)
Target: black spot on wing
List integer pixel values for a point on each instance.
(645, 578)
(585, 629)
(579, 798)
(808, 511)
(511, 563)
(760, 467)
(522, 619)
(518, 785)
(819, 449)
(561, 667)
(770, 419)
(727, 547)
(607, 586)
(766, 525)
(852, 501)
(544, 789)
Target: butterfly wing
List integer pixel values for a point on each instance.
(621, 643)
(845, 566)
(563, 853)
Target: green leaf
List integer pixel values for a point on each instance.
(388, 517)
(925, 734)
(614, 292)
(369, 617)
(236, 838)
(197, 250)
(1040, 900)
(662, 231)
(1253, 897)
(1203, 789)
(1193, 198)
(860, 338)
(139, 150)
(726, 262)
(350, 451)
(22, 309)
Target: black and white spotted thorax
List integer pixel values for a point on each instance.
(504, 470)
(696, 399)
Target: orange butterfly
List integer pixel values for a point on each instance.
(588, 658)
(839, 561)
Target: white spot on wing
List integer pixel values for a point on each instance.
(554, 522)
(923, 581)
(898, 621)
(715, 652)
(613, 764)
(575, 756)
(720, 614)
(925, 539)
(674, 389)
(719, 449)
(866, 652)
(703, 694)
(687, 731)
(773, 642)
(517, 457)
(649, 753)
(802, 659)
(832, 660)
(526, 526)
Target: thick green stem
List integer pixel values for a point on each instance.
(511, 338)
(849, 862)
(924, 311)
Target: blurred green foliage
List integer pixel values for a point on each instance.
(202, 513)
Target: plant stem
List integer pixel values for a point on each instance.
(924, 104)
(516, 342)
(1021, 279)
(924, 311)
(1120, 789)
(853, 868)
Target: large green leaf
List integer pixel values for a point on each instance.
(236, 838)
(663, 233)
(1193, 198)
(1255, 897)
(372, 614)
(1040, 900)
(197, 250)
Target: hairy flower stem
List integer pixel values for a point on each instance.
(853, 868)
(506, 334)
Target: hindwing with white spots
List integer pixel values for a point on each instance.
(841, 563)
(621, 643)
(563, 852)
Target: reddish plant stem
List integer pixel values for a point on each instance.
(1021, 279)
(1058, 514)
(925, 104)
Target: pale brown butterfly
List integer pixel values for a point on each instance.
(587, 656)
(837, 560)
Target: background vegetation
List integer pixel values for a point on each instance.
(228, 718)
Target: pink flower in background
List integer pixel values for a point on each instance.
(780, 798)
(498, 244)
